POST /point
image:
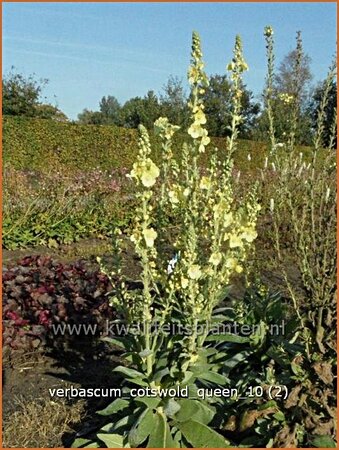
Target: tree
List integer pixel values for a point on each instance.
(218, 108)
(110, 109)
(88, 117)
(294, 76)
(330, 109)
(46, 111)
(174, 102)
(20, 95)
(139, 110)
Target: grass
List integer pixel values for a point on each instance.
(40, 423)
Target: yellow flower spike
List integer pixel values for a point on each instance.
(194, 272)
(149, 235)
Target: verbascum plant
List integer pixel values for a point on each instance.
(190, 237)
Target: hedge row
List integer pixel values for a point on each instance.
(30, 143)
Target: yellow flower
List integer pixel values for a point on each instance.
(249, 234)
(134, 238)
(150, 235)
(231, 263)
(195, 130)
(193, 75)
(228, 219)
(219, 208)
(215, 258)
(235, 241)
(286, 98)
(184, 282)
(149, 173)
(205, 183)
(163, 127)
(173, 197)
(199, 117)
(238, 269)
(268, 31)
(205, 140)
(194, 272)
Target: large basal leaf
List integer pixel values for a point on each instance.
(117, 405)
(141, 429)
(194, 409)
(201, 436)
(112, 440)
(160, 436)
(84, 443)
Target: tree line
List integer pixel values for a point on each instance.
(22, 96)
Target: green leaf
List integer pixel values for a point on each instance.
(150, 402)
(279, 416)
(112, 440)
(119, 342)
(131, 373)
(160, 374)
(228, 337)
(279, 356)
(236, 359)
(117, 405)
(202, 436)
(214, 377)
(141, 429)
(81, 442)
(194, 409)
(160, 436)
(171, 407)
(324, 442)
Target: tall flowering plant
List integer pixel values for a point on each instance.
(190, 237)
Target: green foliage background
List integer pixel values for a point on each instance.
(37, 144)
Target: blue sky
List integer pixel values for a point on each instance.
(88, 50)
